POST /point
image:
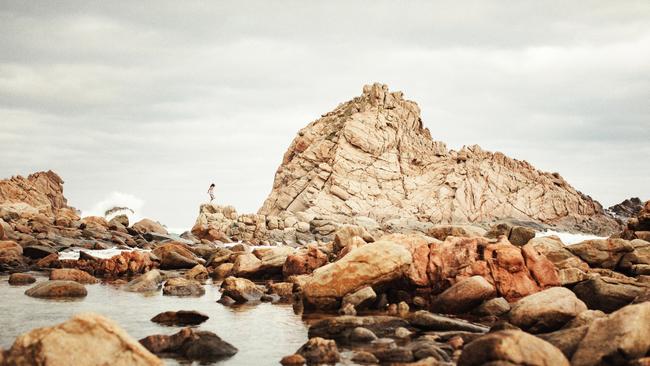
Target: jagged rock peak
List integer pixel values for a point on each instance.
(371, 156)
(41, 190)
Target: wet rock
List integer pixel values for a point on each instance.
(56, 289)
(226, 301)
(603, 253)
(17, 279)
(149, 226)
(585, 318)
(606, 294)
(194, 345)
(147, 282)
(71, 274)
(616, 339)
(75, 342)
(367, 265)
(347, 309)
(180, 318)
(402, 333)
(362, 335)
(180, 286)
(364, 358)
(556, 252)
(520, 235)
(246, 265)
(38, 251)
(273, 258)
(176, 255)
(123, 264)
(566, 340)
(428, 321)
(464, 296)
(241, 290)
(340, 328)
(360, 298)
(393, 355)
(304, 262)
(282, 289)
(223, 270)
(293, 360)
(511, 347)
(319, 351)
(547, 310)
(197, 273)
(494, 307)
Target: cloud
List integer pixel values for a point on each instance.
(159, 99)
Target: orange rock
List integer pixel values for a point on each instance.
(305, 262)
(72, 274)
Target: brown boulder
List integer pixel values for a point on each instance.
(205, 347)
(546, 310)
(603, 253)
(198, 273)
(607, 294)
(367, 265)
(511, 347)
(617, 339)
(147, 282)
(180, 318)
(71, 274)
(464, 296)
(17, 279)
(176, 255)
(179, 286)
(95, 222)
(149, 226)
(54, 289)
(85, 339)
(304, 262)
(441, 232)
(318, 351)
(240, 289)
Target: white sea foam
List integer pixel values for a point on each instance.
(117, 199)
(73, 253)
(569, 238)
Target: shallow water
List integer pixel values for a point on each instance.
(263, 333)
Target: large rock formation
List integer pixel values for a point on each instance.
(372, 157)
(42, 191)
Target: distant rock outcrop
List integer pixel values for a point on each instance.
(372, 157)
(43, 191)
(626, 209)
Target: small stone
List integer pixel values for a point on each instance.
(362, 335)
(17, 279)
(402, 333)
(320, 351)
(364, 358)
(180, 318)
(180, 286)
(293, 360)
(348, 309)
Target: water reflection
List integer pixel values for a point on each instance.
(263, 333)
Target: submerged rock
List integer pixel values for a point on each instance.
(86, 339)
(241, 290)
(17, 279)
(147, 282)
(180, 286)
(71, 274)
(180, 318)
(318, 351)
(202, 346)
(54, 289)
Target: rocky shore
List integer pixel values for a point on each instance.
(393, 279)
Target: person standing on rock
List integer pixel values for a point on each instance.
(211, 192)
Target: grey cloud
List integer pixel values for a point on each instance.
(157, 99)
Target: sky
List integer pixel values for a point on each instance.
(145, 103)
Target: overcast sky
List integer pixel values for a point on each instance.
(146, 103)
